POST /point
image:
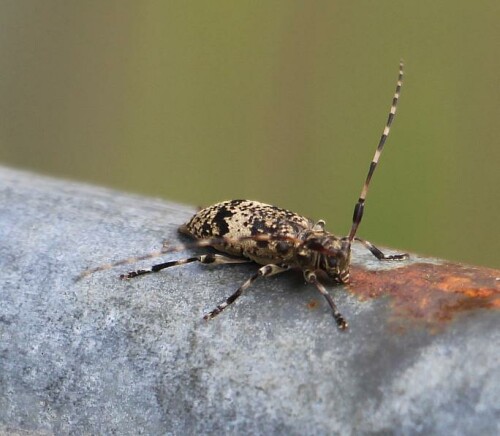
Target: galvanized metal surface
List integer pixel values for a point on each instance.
(102, 355)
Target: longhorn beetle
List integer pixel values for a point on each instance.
(275, 238)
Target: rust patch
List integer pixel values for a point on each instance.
(312, 304)
(430, 293)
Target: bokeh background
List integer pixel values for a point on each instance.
(279, 101)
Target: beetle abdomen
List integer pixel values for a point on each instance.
(236, 219)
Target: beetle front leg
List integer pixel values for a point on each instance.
(379, 254)
(310, 276)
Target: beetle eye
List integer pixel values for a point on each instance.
(332, 261)
(282, 247)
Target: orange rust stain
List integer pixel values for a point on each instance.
(430, 293)
(313, 304)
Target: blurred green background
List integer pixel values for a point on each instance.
(278, 101)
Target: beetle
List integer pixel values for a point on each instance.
(275, 238)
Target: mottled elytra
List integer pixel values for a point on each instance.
(277, 239)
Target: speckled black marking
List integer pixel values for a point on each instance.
(206, 230)
(236, 219)
(220, 220)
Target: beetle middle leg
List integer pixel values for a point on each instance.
(265, 271)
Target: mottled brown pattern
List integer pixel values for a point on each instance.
(236, 219)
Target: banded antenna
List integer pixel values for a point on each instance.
(360, 205)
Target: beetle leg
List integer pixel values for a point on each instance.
(265, 271)
(379, 254)
(214, 259)
(310, 276)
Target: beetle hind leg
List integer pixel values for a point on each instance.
(213, 259)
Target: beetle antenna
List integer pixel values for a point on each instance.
(360, 205)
